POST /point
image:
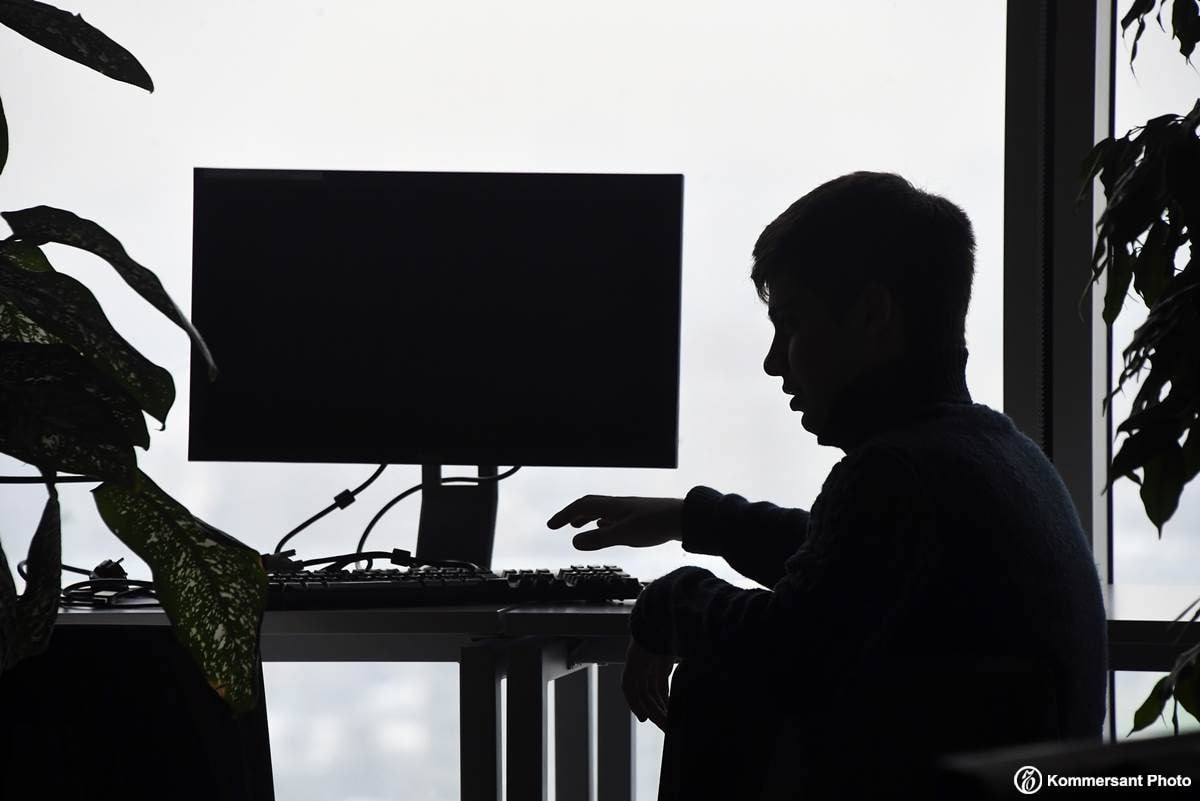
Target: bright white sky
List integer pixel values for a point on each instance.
(755, 103)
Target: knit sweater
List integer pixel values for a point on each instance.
(939, 596)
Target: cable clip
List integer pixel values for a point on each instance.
(281, 562)
(108, 569)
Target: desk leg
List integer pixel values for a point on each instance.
(479, 672)
(615, 725)
(573, 735)
(532, 663)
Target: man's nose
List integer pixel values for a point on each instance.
(771, 363)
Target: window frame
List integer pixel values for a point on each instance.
(1059, 101)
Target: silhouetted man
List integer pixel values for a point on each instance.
(940, 594)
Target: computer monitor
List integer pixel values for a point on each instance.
(438, 318)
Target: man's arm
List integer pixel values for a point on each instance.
(842, 584)
(754, 538)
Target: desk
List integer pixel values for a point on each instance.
(531, 645)
(535, 644)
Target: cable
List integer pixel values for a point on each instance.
(397, 556)
(84, 593)
(340, 501)
(25, 577)
(362, 541)
(57, 480)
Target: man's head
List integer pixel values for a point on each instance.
(862, 270)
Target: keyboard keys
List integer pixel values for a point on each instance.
(447, 586)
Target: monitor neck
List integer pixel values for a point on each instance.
(458, 521)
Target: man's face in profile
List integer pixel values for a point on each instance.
(813, 353)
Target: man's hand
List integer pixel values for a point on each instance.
(644, 683)
(637, 522)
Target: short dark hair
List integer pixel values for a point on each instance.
(876, 226)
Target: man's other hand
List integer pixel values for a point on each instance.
(644, 683)
(637, 522)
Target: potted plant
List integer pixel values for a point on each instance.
(73, 395)
(1151, 180)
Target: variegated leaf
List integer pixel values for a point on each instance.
(24, 255)
(69, 36)
(211, 586)
(68, 310)
(43, 224)
(37, 608)
(16, 327)
(63, 414)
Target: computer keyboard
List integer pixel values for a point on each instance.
(438, 586)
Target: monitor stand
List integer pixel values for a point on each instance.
(458, 521)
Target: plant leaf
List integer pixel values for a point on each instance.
(1151, 709)
(1162, 484)
(61, 413)
(1152, 269)
(1135, 452)
(63, 384)
(8, 608)
(68, 310)
(42, 224)
(1138, 11)
(1185, 22)
(1187, 688)
(213, 588)
(16, 327)
(1191, 452)
(69, 36)
(24, 255)
(37, 608)
(1120, 271)
(3, 138)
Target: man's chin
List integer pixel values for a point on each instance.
(809, 419)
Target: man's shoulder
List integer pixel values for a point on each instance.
(948, 431)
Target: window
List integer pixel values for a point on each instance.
(755, 103)
(1163, 83)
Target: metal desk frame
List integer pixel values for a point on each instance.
(531, 645)
(536, 644)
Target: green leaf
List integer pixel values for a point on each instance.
(24, 255)
(37, 608)
(28, 621)
(61, 413)
(1162, 484)
(1152, 707)
(43, 224)
(16, 327)
(1139, 10)
(1120, 271)
(212, 587)
(68, 35)
(1191, 452)
(1153, 269)
(68, 310)
(1187, 688)
(3, 138)
(1135, 452)
(1185, 25)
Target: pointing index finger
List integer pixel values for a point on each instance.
(569, 511)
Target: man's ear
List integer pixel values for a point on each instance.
(876, 310)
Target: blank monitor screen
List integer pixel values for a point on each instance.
(437, 318)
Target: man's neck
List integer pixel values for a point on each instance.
(895, 392)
